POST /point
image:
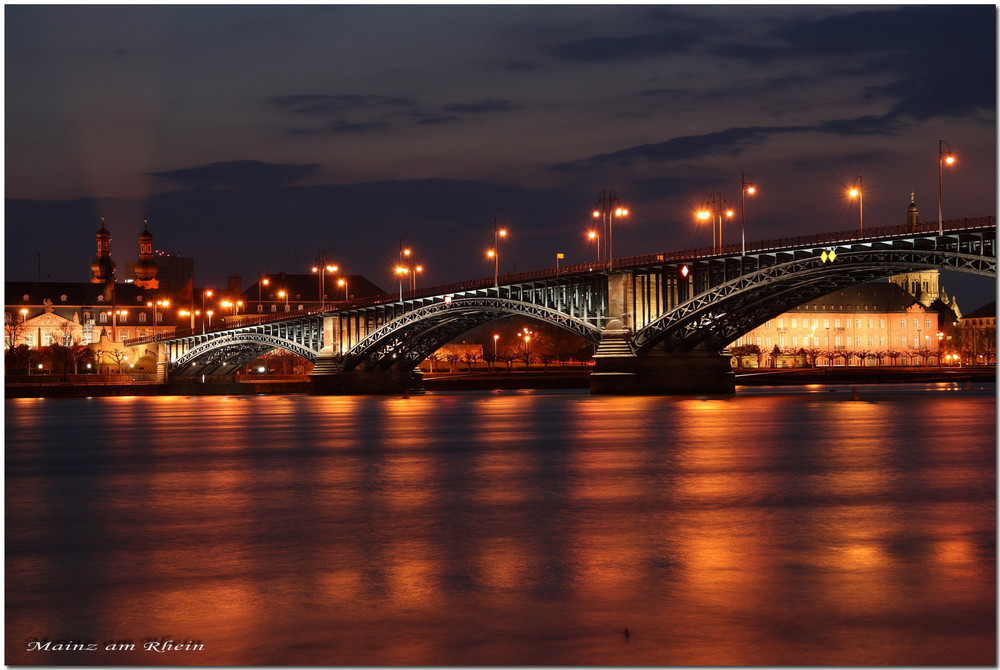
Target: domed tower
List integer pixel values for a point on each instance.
(103, 267)
(146, 268)
(912, 215)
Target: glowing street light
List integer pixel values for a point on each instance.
(322, 269)
(494, 253)
(609, 208)
(857, 191)
(343, 282)
(746, 189)
(204, 294)
(944, 158)
(716, 210)
(594, 237)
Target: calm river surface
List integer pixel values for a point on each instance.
(776, 527)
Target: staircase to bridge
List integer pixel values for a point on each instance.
(660, 322)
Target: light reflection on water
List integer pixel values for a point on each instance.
(776, 527)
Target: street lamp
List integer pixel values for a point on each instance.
(209, 313)
(857, 191)
(154, 305)
(746, 189)
(322, 269)
(400, 271)
(716, 210)
(204, 294)
(260, 299)
(494, 253)
(343, 282)
(610, 207)
(944, 158)
(594, 237)
(284, 294)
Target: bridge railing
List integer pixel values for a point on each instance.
(777, 244)
(228, 323)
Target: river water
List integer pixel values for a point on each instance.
(774, 527)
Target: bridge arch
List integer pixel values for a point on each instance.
(720, 315)
(233, 350)
(408, 339)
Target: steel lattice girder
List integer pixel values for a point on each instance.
(722, 314)
(411, 337)
(235, 347)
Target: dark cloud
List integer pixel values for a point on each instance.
(334, 105)
(952, 47)
(483, 106)
(730, 142)
(238, 174)
(628, 48)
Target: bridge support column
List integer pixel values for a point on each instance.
(620, 371)
(328, 378)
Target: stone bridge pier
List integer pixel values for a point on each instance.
(329, 377)
(621, 370)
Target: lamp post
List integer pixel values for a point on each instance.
(610, 207)
(322, 269)
(209, 313)
(343, 282)
(944, 158)
(594, 237)
(857, 191)
(204, 294)
(494, 253)
(716, 210)
(747, 188)
(284, 294)
(260, 298)
(154, 305)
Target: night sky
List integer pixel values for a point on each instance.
(256, 137)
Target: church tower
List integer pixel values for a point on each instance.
(146, 268)
(912, 214)
(103, 268)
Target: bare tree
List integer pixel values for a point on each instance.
(13, 334)
(470, 359)
(453, 360)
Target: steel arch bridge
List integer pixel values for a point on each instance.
(674, 303)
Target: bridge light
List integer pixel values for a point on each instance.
(447, 300)
(685, 271)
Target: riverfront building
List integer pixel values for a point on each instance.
(876, 323)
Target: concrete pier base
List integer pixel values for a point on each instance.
(366, 382)
(661, 373)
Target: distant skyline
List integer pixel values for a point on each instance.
(255, 137)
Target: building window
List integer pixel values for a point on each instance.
(781, 323)
(927, 323)
(902, 340)
(781, 341)
(29, 340)
(795, 323)
(916, 323)
(826, 323)
(871, 324)
(871, 341)
(881, 323)
(795, 340)
(274, 308)
(836, 323)
(103, 317)
(142, 317)
(881, 340)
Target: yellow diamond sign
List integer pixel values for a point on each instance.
(830, 256)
